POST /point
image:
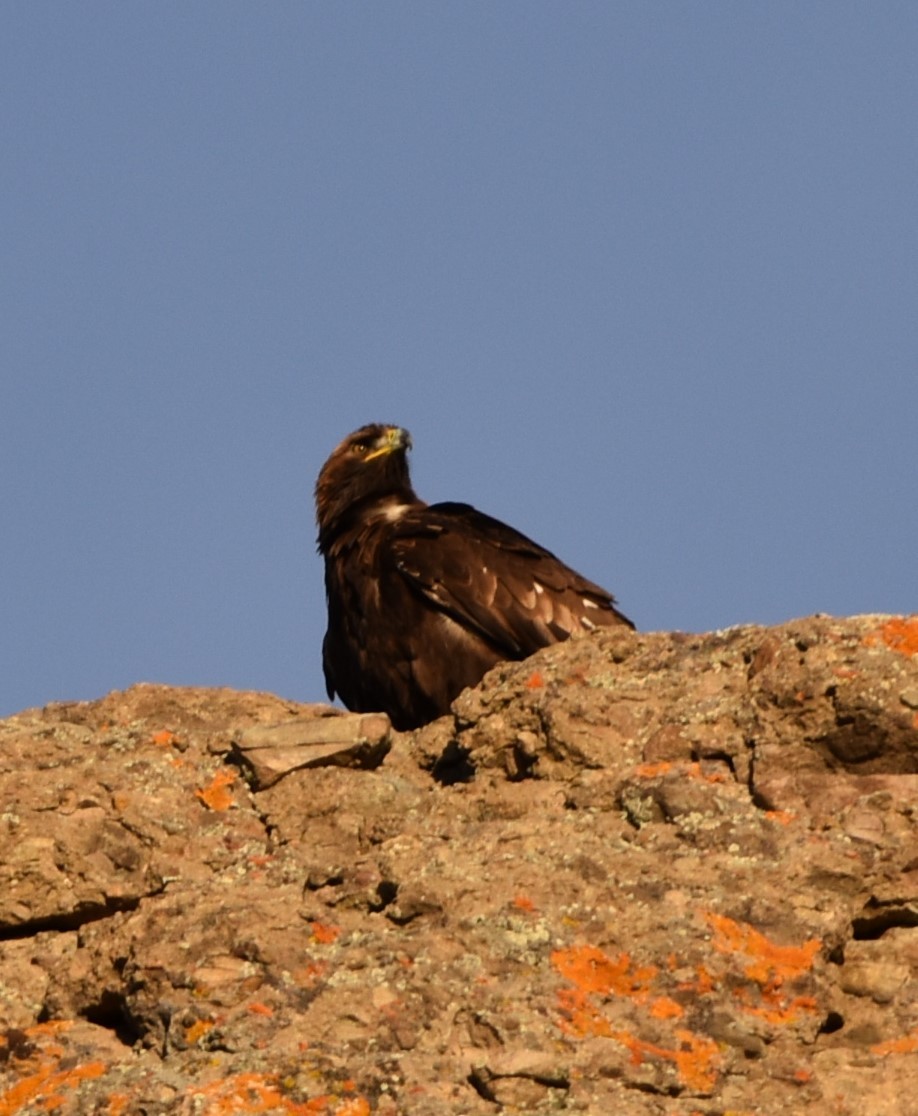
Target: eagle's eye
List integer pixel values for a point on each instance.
(359, 448)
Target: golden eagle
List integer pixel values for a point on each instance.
(424, 598)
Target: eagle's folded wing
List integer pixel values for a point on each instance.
(495, 581)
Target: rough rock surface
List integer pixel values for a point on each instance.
(660, 873)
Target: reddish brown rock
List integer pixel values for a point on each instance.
(637, 874)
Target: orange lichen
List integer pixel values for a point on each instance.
(325, 934)
(259, 1093)
(766, 961)
(776, 1008)
(217, 796)
(782, 817)
(51, 1027)
(665, 1008)
(695, 1060)
(702, 985)
(594, 974)
(900, 633)
(535, 681)
(770, 991)
(652, 770)
(579, 1017)
(46, 1085)
(198, 1030)
(768, 966)
(310, 973)
(907, 1044)
(591, 971)
(163, 738)
(692, 770)
(524, 903)
(260, 1009)
(358, 1106)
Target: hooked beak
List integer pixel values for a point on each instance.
(395, 438)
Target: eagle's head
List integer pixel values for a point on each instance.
(366, 472)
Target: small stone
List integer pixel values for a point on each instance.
(880, 981)
(346, 740)
(910, 697)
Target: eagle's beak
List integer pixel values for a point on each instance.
(395, 438)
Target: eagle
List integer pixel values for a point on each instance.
(423, 599)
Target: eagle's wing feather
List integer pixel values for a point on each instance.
(495, 581)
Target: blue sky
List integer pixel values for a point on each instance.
(640, 278)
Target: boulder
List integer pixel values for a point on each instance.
(653, 873)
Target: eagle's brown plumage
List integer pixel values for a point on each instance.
(424, 598)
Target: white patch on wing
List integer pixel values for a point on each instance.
(538, 588)
(560, 616)
(588, 603)
(392, 512)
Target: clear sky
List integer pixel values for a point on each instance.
(641, 279)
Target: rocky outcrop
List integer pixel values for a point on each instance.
(661, 873)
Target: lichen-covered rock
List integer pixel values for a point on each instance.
(658, 873)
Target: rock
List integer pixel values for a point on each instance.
(330, 740)
(658, 873)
